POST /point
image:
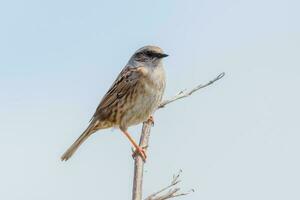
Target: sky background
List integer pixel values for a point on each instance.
(237, 139)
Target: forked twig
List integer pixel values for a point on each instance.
(172, 192)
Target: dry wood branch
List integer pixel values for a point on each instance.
(184, 93)
(139, 163)
(172, 190)
(144, 141)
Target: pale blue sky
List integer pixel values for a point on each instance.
(238, 139)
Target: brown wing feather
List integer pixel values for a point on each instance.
(124, 82)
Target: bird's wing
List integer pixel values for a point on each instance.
(125, 81)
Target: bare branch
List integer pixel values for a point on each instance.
(139, 163)
(184, 93)
(173, 191)
(175, 181)
(144, 141)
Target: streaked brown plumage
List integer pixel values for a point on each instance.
(132, 98)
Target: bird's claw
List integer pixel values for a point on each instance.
(141, 152)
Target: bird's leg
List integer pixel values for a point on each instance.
(151, 120)
(138, 149)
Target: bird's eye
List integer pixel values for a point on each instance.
(149, 53)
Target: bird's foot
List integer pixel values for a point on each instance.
(141, 152)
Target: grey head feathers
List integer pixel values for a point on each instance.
(149, 55)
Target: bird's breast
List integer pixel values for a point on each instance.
(148, 95)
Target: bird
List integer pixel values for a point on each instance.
(132, 99)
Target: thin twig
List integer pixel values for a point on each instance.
(173, 191)
(184, 93)
(175, 181)
(144, 141)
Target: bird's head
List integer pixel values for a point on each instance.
(149, 55)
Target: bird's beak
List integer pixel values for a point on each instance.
(162, 55)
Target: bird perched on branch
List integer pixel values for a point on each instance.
(132, 98)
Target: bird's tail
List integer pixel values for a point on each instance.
(71, 150)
